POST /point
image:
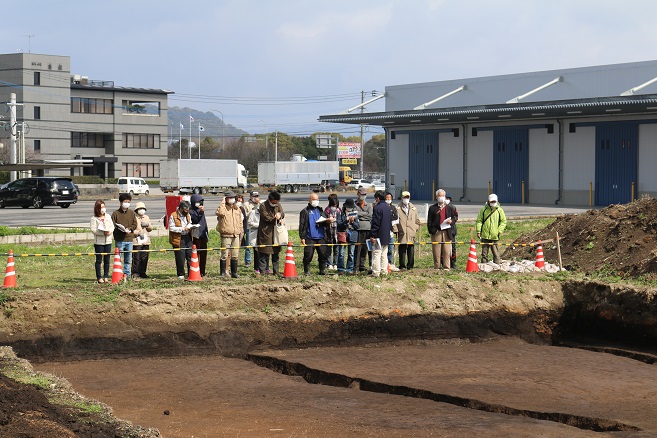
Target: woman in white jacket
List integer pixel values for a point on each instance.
(252, 223)
(102, 227)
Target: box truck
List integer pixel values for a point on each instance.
(290, 176)
(201, 176)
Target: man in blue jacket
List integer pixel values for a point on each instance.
(312, 231)
(380, 234)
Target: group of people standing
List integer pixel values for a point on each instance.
(129, 230)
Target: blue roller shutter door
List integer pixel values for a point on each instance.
(510, 163)
(616, 146)
(423, 164)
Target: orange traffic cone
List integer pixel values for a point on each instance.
(290, 270)
(117, 270)
(540, 260)
(472, 265)
(194, 269)
(10, 273)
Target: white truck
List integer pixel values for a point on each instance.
(290, 176)
(201, 176)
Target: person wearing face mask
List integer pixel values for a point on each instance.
(229, 226)
(125, 224)
(491, 223)
(239, 201)
(271, 214)
(453, 231)
(180, 238)
(364, 224)
(394, 217)
(439, 222)
(312, 231)
(102, 227)
(141, 243)
(252, 203)
(200, 235)
(409, 224)
(335, 253)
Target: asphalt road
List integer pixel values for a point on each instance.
(78, 215)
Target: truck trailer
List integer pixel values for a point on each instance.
(201, 176)
(290, 176)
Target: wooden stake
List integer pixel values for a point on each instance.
(559, 253)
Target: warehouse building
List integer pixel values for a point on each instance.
(570, 137)
(121, 131)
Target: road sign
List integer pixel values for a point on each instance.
(325, 141)
(348, 150)
(322, 158)
(346, 161)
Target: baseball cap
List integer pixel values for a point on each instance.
(362, 191)
(448, 196)
(406, 194)
(492, 197)
(255, 194)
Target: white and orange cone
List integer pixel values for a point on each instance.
(194, 269)
(540, 260)
(117, 270)
(290, 270)
(472, 265)
(10, 273)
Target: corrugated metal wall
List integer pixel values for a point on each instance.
(616, 146)
(423, 163)
(510, 163)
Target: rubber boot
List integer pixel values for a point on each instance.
(222, 268)
(233, 268)
(306, 269)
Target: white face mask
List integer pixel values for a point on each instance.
(388, 201)
(406, 201)
(197, 205)
(362, 198)
(125, 205)
(239, 203)
(230, 200)
(141, 212)
(441, 199)
(447, 201)
(493, 204)
(314, 203)
(103, 210)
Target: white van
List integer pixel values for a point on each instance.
(134, 186)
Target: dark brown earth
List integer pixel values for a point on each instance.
(239, 319)
(619, 239)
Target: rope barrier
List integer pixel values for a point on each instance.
(164, 250)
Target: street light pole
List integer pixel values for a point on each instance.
(266, 138)
(222, 128)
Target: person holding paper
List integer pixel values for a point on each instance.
(491, 223)
(102, 227)
(312, 231)
(380, 234)
(125, 223)
(439, 222)
(230, 227)
(141, 242)
(394, 217)
(180, 238)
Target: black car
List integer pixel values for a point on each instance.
(39, 192)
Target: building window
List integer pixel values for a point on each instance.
(91, 106)
(140, 108)
(37, 78)
(37, 145)
(37, 113)
(141, 141)
(142, 170)
(89, 140)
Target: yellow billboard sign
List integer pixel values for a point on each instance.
(346, 161)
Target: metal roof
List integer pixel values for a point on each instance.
(122, 89)
(603, 106)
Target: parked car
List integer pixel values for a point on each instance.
(328, 185)
(364, 183)
(39, 192)
(379, 185)
(134, 186)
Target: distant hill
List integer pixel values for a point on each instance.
(209, 121)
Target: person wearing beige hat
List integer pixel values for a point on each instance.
(407, 228)
(141, 243)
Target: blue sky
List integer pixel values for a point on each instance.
(271, 65)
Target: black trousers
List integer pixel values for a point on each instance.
(140, 260)
(309, 250)
(361, 251)
(264, 258)
(201, 244)
(406, 251)
(184, 253)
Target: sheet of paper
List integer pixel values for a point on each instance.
(320, 220)
(121, 228)
(373, 246)
(445, 225)
(101, 226)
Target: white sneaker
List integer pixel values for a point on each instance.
(334, 267)
(394, 268)
(181, 277)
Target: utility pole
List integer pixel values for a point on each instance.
(12, 143)
(362, 129)
(276, 147)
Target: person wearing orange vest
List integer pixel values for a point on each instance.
(180, 237)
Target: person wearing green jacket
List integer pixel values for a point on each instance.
(491, 223)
